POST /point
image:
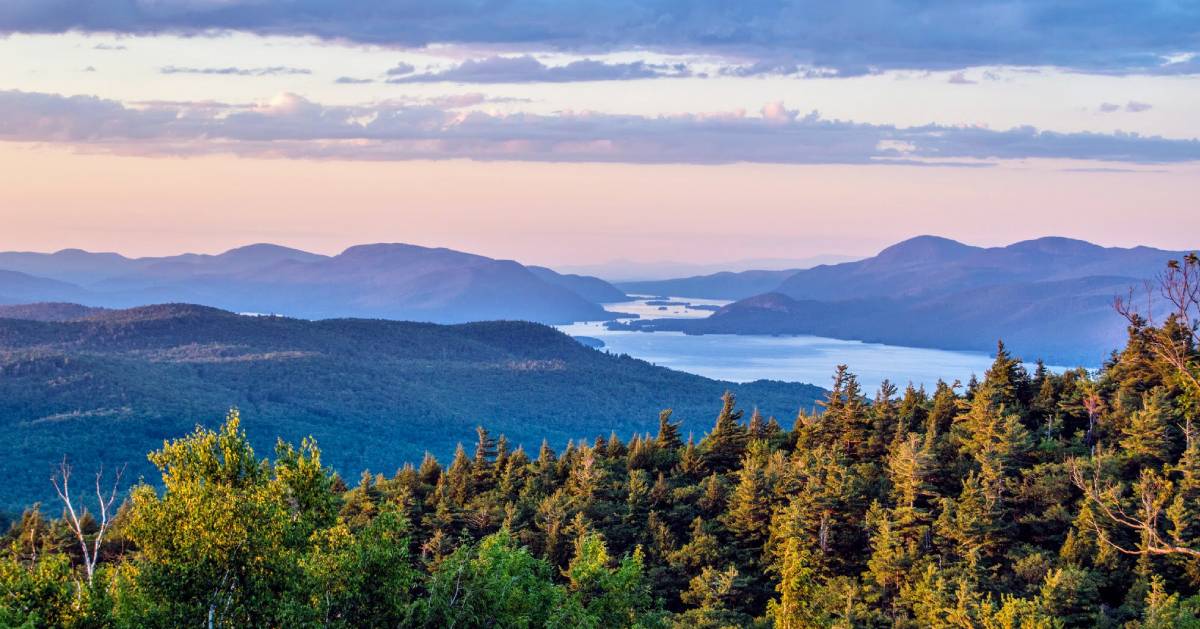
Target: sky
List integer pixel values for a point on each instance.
(579, 132)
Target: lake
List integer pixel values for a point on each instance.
(811, 359)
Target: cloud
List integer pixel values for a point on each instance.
(850, 37)
(271, 71)
(290, 126)
(790, 67)
(960, 78)
(1133, 107)
(526, 69)
(777, 113)
(349, 80)
(109, 47)
(401, 69)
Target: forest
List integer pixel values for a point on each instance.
(1024, 499)
(110, 386)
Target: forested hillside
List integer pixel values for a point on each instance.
(1019, 500)
(110, 385)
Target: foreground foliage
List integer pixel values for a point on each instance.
(1021, 500)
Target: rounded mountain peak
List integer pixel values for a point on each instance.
(1056, 245)
(925, 249)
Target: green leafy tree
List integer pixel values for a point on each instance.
(494, 583)
(214, 546)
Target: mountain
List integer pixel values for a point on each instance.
(394, 281)
(75, 266)
(590, 288)
(1050, 298)
(48, 311)
(723, 285)
(622, 271)
(929, 265)
(111, 385)
(17, 287)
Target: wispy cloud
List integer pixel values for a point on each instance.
(290, 126)
(849, 37)
(349, 80)
(788, 67)
(234, 71)
(1133, 107)
(526, 69)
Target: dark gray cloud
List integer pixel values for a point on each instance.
(850, 36)
(526, 69)
(231, 71)
(292, 127)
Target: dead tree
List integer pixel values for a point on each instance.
(62, 485)
(1147, 514)
(1175, 339)
(1145, 511)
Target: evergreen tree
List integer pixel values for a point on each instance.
(724, 446)
(668, 432)
(1146, 437)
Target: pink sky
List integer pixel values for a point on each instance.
(646, 146)
(54, 197)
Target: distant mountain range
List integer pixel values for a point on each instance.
(110, 385)
(1050, 298)
(393, 281)
(626, 271)
(722, 285)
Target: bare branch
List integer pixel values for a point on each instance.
(62, 486)
(1153, 493)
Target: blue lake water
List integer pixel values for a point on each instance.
(812, 359)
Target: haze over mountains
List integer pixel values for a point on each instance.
(630, 271)
(393, 281)
(720, 285)
(1050, 298)
(109, 385)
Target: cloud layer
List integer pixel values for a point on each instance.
(850, 37)
(290, 126)
(234, 71)
(526, 69)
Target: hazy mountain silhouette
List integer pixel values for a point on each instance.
(17, 287)
(590, 288)
(394, 281)
(723, 285)
(1049, 298)
(628, 271)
